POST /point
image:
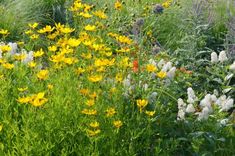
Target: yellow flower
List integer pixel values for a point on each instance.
(46, 29)
(70, 60)
(67, 30)
(52, 36)
(24, 99)
(151, 68)
(28, 32)
(113, 90)
(4, 32)
(90, 27)
(1, 127)
(119, 77)
(142, 103)
(33, 25)
(93, 132)
(76, 6)
(90, 102)
(89, 111)
(59, 26)
(38, 99)
(20, 43)
(34, 36)
(100, 14)
(52, 48)
(118, 5)
(43, 74)
(22, 89)
(167, 3)
(84, 91)
(150, 113)
(38, 53)
(95, 124)
(110, 112)
(161, 74)
(95, 78)
(80, 70)
(50, 86)
(87, 7)
(20, 57)
(57, 58)
(8, 66)
(123, 50)
(74, 42)
(32, 64)
(5, 48)
(117, 123)
(124, 39)
(86, 15)
(93, 95)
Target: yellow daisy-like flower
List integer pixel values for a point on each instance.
(161, 74)
(117, 123)
(95, 78)
(8, 65)
(38, 53)
(34, 36)
(90, 27)
(85, 14)
(167, 3)
(20, 57)
(52, 48)
(110, 112)
(74, 42)
(5, 48)
(118, 5)
(93, 95)
(150, 113)
(84, 91)
(4, 32)
(90, 102)
(43, 74)
(38, 99)
(151, 68)
(93, 132)
(124, 39)
(22, 89)
(95, 124)
(142, 103)
(24, 99)
(50, 86)
(119, 77)
(33, 25)
(67, 30)
(89, 111)
(100, 14)
(46, 29)
(32, 64)
(28, 32)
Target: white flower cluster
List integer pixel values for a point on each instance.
(165, 67)
(13, 47)
(232, 67)
(186, 108)
(15, 51)
(222, 57)
(129, 86)
(223, 102)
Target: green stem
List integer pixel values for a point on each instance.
(162, 91)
